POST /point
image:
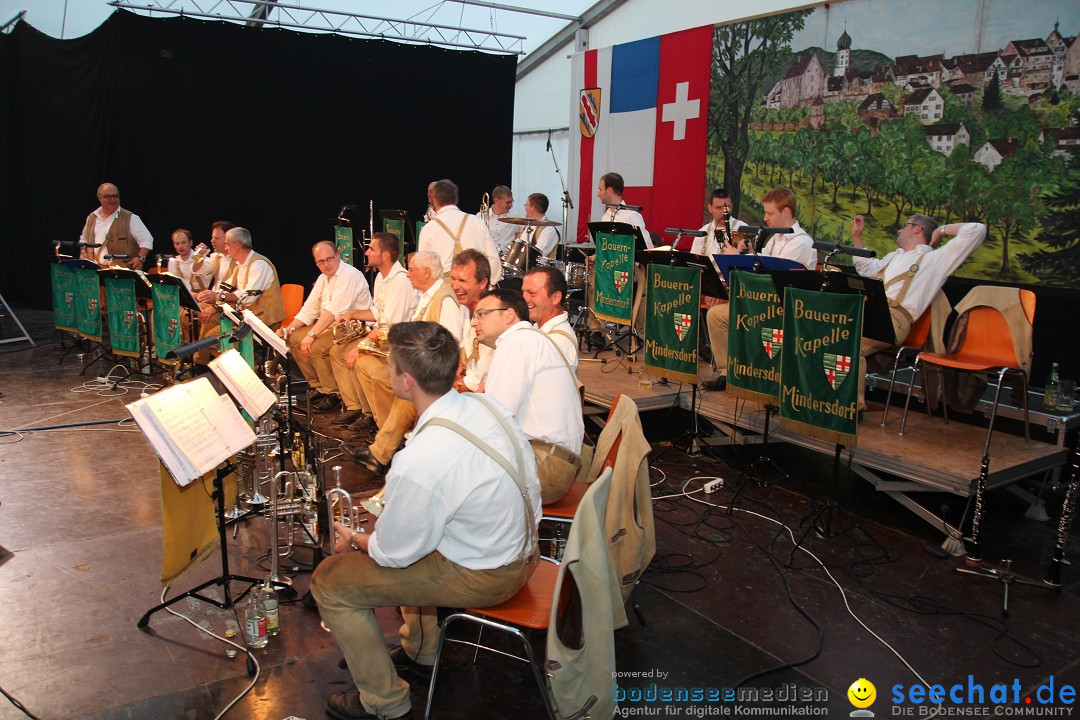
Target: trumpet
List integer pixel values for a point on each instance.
(485, 208)
(339, 507)
(349, 330)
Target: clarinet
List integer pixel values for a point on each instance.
(974, 558)
(1068, 507)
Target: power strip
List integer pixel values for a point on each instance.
(714, 485)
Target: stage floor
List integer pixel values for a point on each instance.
(80, 519)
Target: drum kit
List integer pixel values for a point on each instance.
(520, 256)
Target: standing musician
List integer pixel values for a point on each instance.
(451, 230)
(780, 206)
(394, 415)
(394, 302)
(532, 378)
(502, 200)
(118, 231)
(544, 238)
(718, 231)
(458, 529)
(340, 288)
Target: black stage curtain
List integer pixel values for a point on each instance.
(197, 121)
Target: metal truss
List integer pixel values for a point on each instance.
(257, 12)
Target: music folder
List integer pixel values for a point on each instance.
(727, 263)
(621, 228)
(711, 283)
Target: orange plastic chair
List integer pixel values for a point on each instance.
(914, 342)
(292, 297)
(987, 347)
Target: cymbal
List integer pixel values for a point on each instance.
(530, 223)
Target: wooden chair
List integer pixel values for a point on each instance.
(988, 345)
(528, 611)
(292, 297)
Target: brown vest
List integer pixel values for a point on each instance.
(269, 306)
(118, 239)
(434, 308)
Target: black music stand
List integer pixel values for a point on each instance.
(408, 237)
(877, 321)
(630, 334)
(71, 263)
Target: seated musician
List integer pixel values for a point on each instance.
(545, 239)
(470, 278)
(212, 268)
(718, 230)
(394, 415)
(502, 200)
(394, 302)
(117, 231)
(544, 289)
(180, 265)
(451, 230)
(532, 378)
(256, 283)
(780, 207)
(456, 530)
(340, 288)
(914, 272)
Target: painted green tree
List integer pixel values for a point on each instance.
(1059, 230)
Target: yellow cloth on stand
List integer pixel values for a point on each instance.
(189, 522)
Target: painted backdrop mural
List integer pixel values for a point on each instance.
(960, 110)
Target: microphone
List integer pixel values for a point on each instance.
(549, 141)
(88, 245)
(624, 206)
(242, 332)
(117, 257)
(830, 248)
(184, 351)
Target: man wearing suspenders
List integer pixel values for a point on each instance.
(532, 378)
(458, 528)
(451, 230)
(544, 288)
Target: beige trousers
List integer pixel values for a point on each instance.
(315, 366)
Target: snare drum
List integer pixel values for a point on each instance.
(575, 275)
(520, 257)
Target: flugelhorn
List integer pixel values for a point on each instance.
(339, 507)
(349, 330)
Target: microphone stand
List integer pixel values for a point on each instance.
(567, 205)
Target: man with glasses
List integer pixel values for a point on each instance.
(530, 377)
(340, 288)
(117, 231)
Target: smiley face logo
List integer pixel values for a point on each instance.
(862, 693)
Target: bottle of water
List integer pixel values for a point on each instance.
(1053, 387)
(270, 604)
(255, 622)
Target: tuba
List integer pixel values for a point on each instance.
(349, 330)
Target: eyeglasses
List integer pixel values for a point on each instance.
(482, 313)
(910, 224)
(112, 196)
(324, 261)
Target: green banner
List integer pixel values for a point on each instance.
(246, 346)
(820, 364)
(755, 336)
(397, 227)
(123, 316)
(613, 293)
(343, 238)
(87, 303)
(63, 293)
(167, 328)
(672, 321)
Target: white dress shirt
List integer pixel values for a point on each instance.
(796, 245)
(565, 338)
(346, 290)
(477, 356)
(136, 227)
(530, 379)
(445, 494)
(181, 268)
(543, 238)
(449, 316)
(710, 244)
(934, 269)
(632, 217)
(395, 297)
(501, 233)
(251, 275)
(474, 235)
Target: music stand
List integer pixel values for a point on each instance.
(640, 249)
(877, 320)
(187, 300)
(408, 234)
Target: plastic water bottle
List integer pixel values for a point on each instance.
(1053, 387)
(270, 605)
(255, 622)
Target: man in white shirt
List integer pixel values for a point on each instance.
(180, 264)
(610, 191)
(470, 278)
(545, 239)
(396, 416)
(451, 230)
(780, 206)
(215, 266)
(339, 289)
(456, 530)
(532, 379)
(117, 231)
(395, 300)
(716, 231)
(502, 200)
(913, 273)
(544, 289)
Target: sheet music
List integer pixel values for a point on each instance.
(268, 336)
(192, 428)
(243, 383)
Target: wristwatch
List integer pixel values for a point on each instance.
(311, 333)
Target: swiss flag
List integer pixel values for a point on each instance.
(650, 126)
